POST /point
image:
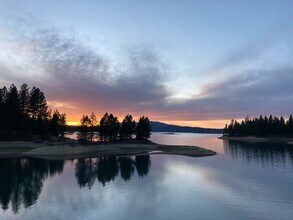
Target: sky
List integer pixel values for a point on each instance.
(198, 63)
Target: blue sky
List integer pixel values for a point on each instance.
(189, 62)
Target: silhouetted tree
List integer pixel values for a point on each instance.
(114, 127)
(26, 112)
(24, 100)
(57, 124)
(143, 128)
(103, 127)
(93, 126)
(225, 131)
(38, 108)
(127, 127)
(271, 125)
(85, 123)
(12, 110)
(2, 111)
(38, 111)
(25, 121)
(109, 127)
(282, 125)
(289, 126)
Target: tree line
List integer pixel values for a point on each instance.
(110, 129)
(260, 126)
(24, 112)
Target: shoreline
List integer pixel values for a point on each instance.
(71, 149)
(287, 140)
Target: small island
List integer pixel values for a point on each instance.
(260, 129)
(28, 128)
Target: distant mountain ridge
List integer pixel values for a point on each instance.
(162, 127)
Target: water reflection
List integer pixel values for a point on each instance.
(105, 169)
(244, 181)
(22, 180)
(267, 153)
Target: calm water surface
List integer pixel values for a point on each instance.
(244, 181)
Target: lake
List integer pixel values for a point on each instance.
(244, 181)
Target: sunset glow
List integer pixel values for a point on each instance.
(73, 123)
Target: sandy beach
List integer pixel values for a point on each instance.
(72, 149)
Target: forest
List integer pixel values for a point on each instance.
(24, 113)
(260, 126)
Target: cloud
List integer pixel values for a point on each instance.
(78, 79)
(253, 80)
(251, 93)
(272, 49)
(66, 69)
(66, 105)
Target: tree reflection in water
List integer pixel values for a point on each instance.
(105, 169)
(267, 153)
(22, 180)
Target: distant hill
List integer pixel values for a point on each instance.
(162, 127)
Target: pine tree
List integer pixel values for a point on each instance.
(26, 112)
(143, 128)
(127, 127)
(12, 109)
(261, 126)
(93, 125)
(103, 127)
(225, 130)
(83, 134)
(109, 127)
(290, 125)
(38, 108)
(57, 124)
(3, 118)
(282, 125)
(62, 124)
(24, 99)
(114, 127)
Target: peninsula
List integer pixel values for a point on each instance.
(66, 148)
(29, 128)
